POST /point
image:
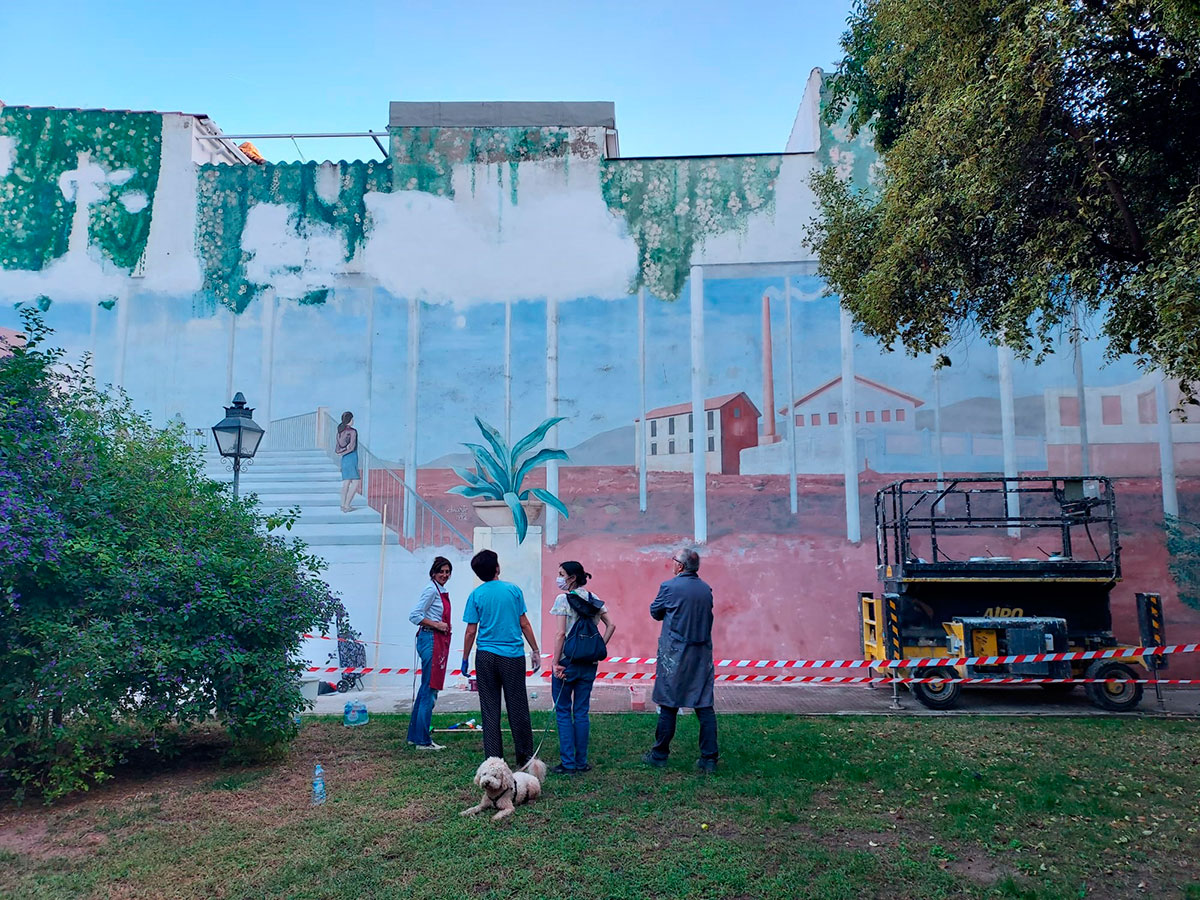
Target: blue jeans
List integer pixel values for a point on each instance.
(422, 712)
(571, 702)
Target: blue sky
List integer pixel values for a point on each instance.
(687, 77)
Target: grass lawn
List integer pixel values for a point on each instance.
(802, 807)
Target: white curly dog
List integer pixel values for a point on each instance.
(505, 789)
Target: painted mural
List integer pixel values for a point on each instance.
(657, 323)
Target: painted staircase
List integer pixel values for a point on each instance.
(308, 479)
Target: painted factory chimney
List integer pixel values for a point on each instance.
(768, 435)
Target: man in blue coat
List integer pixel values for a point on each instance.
(685, 673)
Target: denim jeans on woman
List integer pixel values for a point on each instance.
(572, 699)
(422, 713)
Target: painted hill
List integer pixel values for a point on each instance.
(608, 448)
(981, 415)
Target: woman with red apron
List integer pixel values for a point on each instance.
(431, 615)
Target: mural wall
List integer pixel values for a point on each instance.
(667, 309)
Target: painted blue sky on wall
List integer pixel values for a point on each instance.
(175, 362)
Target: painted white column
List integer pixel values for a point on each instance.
(1166, 448)
(91, 370)
(270, 312)
(508, 372)
(643, 428)
(1008, 432)
(793, 499)
(229, 356)
(937, 436)
(370, 382)
(410, 453)
(1085, 447)
(699, 454)
(551, 411)
(123, 313)
(849, 446)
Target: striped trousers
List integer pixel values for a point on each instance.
(505, 675)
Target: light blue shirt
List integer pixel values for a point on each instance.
(429, 606)
(496, 607)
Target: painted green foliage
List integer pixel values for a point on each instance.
(226, 194)
(423, 159)
(670, 205)
(46, 145)
(853, 158)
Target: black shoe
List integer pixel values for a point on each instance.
(651, 760)
(706, 766)
(586, 767)
(560, 769)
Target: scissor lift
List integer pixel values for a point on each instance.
(946, 593)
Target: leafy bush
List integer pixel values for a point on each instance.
(500, 472)
(136, 595)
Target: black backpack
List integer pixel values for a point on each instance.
(584, 645)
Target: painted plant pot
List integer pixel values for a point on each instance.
(497, 514)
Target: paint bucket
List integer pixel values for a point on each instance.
(472, 685)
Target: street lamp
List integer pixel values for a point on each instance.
(237, 435)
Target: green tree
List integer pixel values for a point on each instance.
(136, 596)
(1039, 157)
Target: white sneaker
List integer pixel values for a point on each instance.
(430, 746)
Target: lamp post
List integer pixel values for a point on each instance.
(237, 435)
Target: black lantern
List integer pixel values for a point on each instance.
(237, 435)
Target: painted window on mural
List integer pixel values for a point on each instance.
(1147, 411)
(710, 420)
(799, 420)
(900, 415)
(654, 449)
(671, 427)
(885, 415)
(857, 418)
(815, 418)
(689, 423)
(712, 443)
(737, 412)
(1068, 410)
(654, 428)
(670, 446)
(1110, 410)
(870, 415)
(691, 446)
(831, 418)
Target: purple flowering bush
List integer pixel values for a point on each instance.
(137, 597)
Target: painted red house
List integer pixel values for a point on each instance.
(730, 425)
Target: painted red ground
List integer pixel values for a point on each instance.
(786, 586)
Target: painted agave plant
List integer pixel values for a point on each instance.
(500, 471)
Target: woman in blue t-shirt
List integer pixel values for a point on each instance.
(571, 686)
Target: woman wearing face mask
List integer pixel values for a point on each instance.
(571, 685)
(431, 615)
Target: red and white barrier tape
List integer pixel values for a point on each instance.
(925, 661)
(915, 663)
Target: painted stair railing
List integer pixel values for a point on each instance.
(406, 513)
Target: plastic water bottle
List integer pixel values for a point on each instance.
(355, 713)
(318, 796)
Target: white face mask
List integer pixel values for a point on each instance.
(561, 582)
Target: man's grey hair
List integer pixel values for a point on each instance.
(690, 559)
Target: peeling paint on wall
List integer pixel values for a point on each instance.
(423, 159)
(51, 161)
(671, 205)
(320, 204)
